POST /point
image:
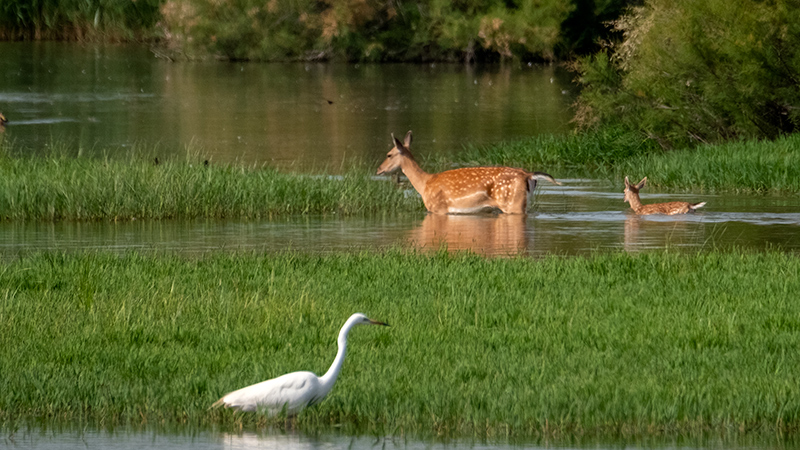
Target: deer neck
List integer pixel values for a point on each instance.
(418, 177)
(636, 203)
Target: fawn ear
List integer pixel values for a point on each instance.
(627, 183)
(407, 140)
(641, 183)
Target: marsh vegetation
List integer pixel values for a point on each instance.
(613, 343)
(698, 97)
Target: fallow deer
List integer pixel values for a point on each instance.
(670, 208)
(465, 191)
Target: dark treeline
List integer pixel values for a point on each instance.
(351, 30)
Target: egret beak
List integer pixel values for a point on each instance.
(375, 322)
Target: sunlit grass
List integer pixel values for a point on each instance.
(64, 186)
(569, 155)
(74, 187)
(613, 343)
(748, 166)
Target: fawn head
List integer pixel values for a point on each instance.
(396, 154)
(632, 190)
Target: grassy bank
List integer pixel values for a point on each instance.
(86, 188)
(64, 187)
(747, 166)
(614, 343)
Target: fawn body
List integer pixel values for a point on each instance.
(465, 191)
(670, 208)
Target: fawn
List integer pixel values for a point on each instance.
(669, 208)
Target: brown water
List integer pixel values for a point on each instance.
(112, 98)
(579, 218)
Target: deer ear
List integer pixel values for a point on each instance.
(627, 183)
(398, 144)
(407, 142)
(641, 183)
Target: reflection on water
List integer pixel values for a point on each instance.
(202, 440)
(501, 234)
(581, 217)
(290, 115)
(188, 438)
(299, 441)
(640, 233)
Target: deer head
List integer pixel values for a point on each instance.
(632, 190)
(395, 156)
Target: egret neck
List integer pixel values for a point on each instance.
(329, 378)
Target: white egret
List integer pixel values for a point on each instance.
(295, 390)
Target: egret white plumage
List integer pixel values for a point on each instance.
(295, 390)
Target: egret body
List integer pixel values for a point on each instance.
(295, 390)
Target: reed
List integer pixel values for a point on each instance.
(64, 185)
(746, 166)
(585, 153)
(612, 344)
(69, 187)
(742, 166)
(100, 20)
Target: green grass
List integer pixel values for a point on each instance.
(60, 186)
(583, 154)
(611, 344)
(747, 166)
(85, 188)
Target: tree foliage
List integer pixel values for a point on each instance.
(688, 72)
(352, 30)
(372, 30)
(77, 19)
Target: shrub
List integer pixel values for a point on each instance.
(688, 72)
(366, 29)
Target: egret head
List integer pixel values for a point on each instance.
(361, 319)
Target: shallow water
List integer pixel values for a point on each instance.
(579, 218)
(215, 440)
(190, 438)
(112, 98)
